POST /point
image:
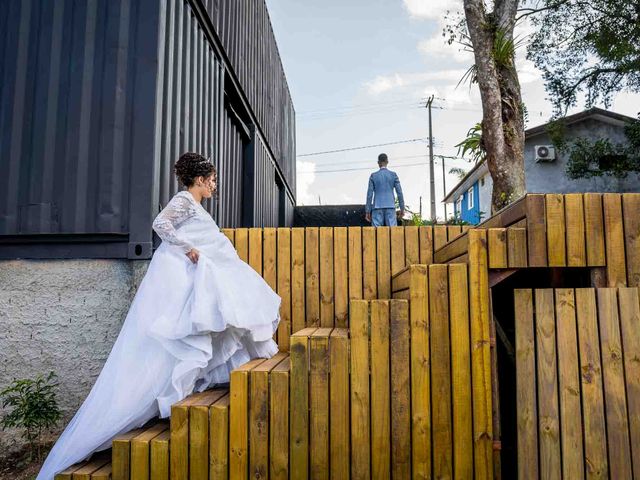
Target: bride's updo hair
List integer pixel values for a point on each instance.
(191, 165)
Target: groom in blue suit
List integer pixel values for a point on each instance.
(381, 206)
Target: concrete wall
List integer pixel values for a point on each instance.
(61, 315)
(551, 177)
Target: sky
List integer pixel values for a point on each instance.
(359, 72)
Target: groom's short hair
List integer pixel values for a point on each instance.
(382, 158)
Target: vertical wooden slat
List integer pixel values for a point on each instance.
(412, 245)
(397, 249)
(453, 231)
(614, 240)
(339, 403)
(426, 245)
(242, 243)
(326, 277)
(283, 272)
(536, 230)
(360, 427)
(269, 249)
(279, 421)
(355, 263)
(312, 273)
(370, 282)
(517, 247)
(548, 419)
(594, 225)
(460, 372)
(631, 212)
(140, 451)
(299, 404)
(574, 219)
(480, 354)
(319, 403)
(595, 441)
(380, 401)
(569, 385)
(420, 378)
(259, 420)
(497, 239)
(298, 314)
(400, 390)
(384, 262)
(229, 233)
(219, 441)
(614, 384)
(440, 371)
(526, 403)
(556, 247)
(439, 236)
(629, 306)
(255, 249)
(121, 454)
(341, 277)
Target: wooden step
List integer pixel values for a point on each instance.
(131, 452)
(98, 467)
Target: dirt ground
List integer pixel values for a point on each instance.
(18, 466)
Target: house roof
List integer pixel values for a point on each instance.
(606, 116)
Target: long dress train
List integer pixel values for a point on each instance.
(188, 326)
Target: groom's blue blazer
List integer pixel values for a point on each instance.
(380, 191)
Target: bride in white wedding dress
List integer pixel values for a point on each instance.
(199, 312)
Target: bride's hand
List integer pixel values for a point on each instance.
(193, 255)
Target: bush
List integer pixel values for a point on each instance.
(32, 407)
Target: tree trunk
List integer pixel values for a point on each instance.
(502, 120)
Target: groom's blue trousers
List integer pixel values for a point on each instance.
(384, 217)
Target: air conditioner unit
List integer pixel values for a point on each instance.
(545, 153)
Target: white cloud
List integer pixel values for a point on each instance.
(437, 47)
(305, 178)
(386, 83)
(431, 9)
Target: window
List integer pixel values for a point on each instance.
(470, 198)
(459, 204)
(482, 182)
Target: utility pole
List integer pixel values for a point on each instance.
(432, 183)
(444, 189)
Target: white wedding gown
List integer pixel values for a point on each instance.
(188, 326)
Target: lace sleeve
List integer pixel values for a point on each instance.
(177, 211)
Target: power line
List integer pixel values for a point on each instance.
(413, 140)
(370, 168)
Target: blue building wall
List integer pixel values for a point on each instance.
(471, 215)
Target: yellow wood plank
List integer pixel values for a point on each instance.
(355, 263)
(121, 454)
(159, 457)
(401, 280)
(536, 230)
(526, 398)
(299, 404)
(556, 228)
(426, 245)
(269, 247)
(105, 473)
(312, 276)
(595, 441)
(86, 470)
(630, 329)
(67, 473)
(460, 372)
(284, 287)
(497, 238)
(569, 384)
(412, 245)
(298, 315)
(614, 235)
(242, 243)
(517, 247)
(229, 233)
(360, 425)
(339, 404)
(400, 389)
(319, 403)
(279, 421)
(219, 442)
(380, 399)
(341, 277)
(255, 249)
(453, 231)
(594, 226)
(199, 434)
(370, 285)
(574, 219)
(326, 277)
(420, 379)
(614, 384)
(631, 209)
(140, 451)
(383, 257)
(548, 419)
(440, 372)
(480, 355)
(397, 249)
(239, 421)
